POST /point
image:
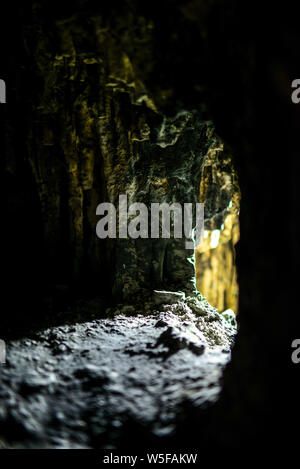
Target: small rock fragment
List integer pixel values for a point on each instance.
(167, 297)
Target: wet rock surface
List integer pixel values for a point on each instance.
(86, 385)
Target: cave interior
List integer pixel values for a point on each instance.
(164, 103)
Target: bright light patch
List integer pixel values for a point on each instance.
(215, 236)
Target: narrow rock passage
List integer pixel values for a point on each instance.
(85, 385)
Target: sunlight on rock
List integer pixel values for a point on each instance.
(215, 236)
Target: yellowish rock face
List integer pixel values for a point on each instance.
(215, 269)
(216, 276)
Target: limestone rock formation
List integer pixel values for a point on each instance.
(98, 129)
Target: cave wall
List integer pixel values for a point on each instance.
(215, 258)
(254, 57)
(100, 123)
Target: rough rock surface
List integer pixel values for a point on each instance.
(86, 385)
(97, 126)
(161, 297)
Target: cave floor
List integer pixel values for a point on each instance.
(88, 384)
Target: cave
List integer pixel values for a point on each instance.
(118, 341)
